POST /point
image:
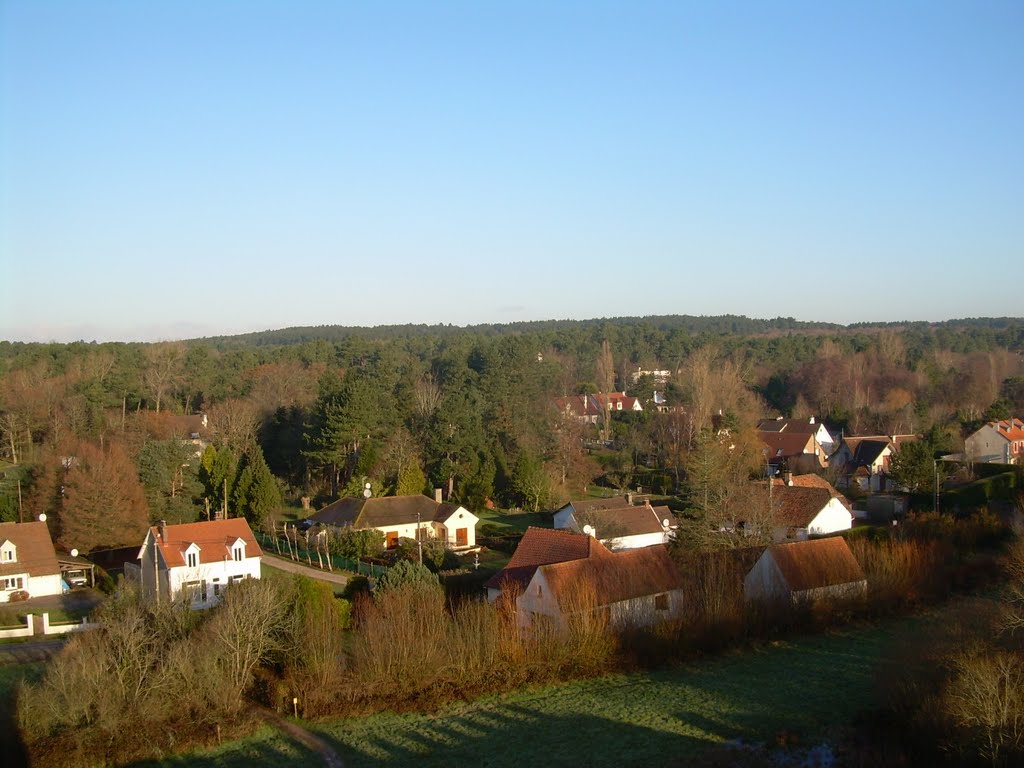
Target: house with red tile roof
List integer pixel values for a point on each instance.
(195, 561)
(998, 442)
(539, 546)
(28, 562)
(635, 587)
(806, 572)
(865, 459)
(557, 573)
(589, 408)
(808, 505)
(795, 451)
(809, 426)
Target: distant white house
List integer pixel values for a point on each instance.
(998, 442)
(808, 505)
(196, 561)
(28, 562)
(618, 523)
(404, 517)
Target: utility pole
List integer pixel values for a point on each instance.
(419, 538)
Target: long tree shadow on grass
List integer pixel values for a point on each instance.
(803, 688)
(510, 735)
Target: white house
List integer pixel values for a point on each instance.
(808, 505)
(404, 517)
(28, 562)
(806, 572)
(809, 426)
(196, 561)
(617, 523)
(998, 442)
(864, 460)
(636, 587)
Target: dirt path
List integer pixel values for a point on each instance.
(297, 733)
(292, 566)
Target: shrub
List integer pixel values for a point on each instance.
(406, 572)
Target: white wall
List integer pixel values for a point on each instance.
(637, 541)
(834, 517)
(36, 586)
(217, 572)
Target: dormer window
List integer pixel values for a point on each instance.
(239, 553)
(192, 556)
(8, 552)
(238, 550)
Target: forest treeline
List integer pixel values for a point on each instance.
(318, 412)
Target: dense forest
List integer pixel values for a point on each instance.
(92, 433)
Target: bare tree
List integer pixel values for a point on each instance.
(164, 369)
(427, 396)
(236, 422)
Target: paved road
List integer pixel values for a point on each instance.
(291, 566)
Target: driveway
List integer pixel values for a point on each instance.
(337, 577)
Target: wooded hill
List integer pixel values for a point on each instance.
(316, 411)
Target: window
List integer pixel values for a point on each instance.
(235, 579)
(216, 588)
(192, 590)
(193, 559)
(239, 553)
(661, 602)
(9, 555)
(14, 582)
(204, 593)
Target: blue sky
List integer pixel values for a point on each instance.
(176, 169)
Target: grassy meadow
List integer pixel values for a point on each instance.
(810, 686)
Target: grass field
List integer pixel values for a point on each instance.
(810, 686)
(267, 748)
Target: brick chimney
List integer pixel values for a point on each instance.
(163, 530)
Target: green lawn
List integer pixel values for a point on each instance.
(515, 522)
(809, 687)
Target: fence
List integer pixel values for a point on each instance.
(29, 629)
(294, 547)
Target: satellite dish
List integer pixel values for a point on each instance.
(42, 518)
(367, 493)
(588, 529)
(664, 523)
(74, 553)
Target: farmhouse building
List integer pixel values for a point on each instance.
(806, 572)
(404, 517)
(195, 561)
(28, 562)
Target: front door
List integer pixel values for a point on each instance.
(392, 539)
(461, 537)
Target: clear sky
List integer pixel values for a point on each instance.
(177, 169)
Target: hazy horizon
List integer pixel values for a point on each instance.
(177, 170)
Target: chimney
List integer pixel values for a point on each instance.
(163, 530)
(787, 477)
(629, 498)
(811, 421)
(437, 495)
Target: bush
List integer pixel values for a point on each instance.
(406, 573)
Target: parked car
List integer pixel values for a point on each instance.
(76, 578)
